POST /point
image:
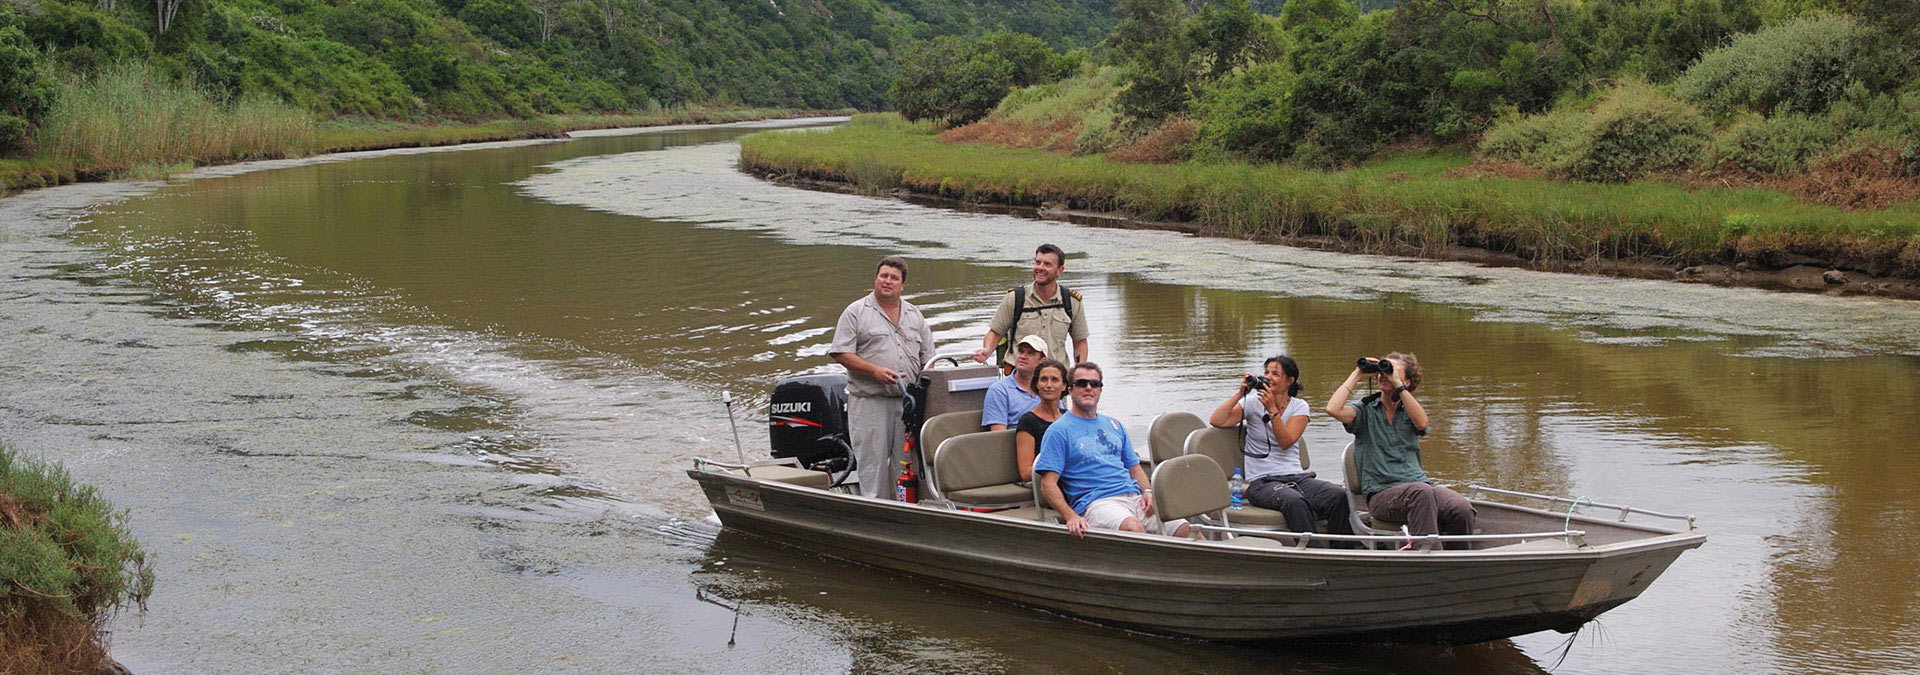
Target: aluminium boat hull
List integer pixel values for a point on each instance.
(1218, 590)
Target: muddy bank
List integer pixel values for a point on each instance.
(1797, 273)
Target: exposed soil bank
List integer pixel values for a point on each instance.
(1796, 273)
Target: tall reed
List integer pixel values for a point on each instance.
(128, 115)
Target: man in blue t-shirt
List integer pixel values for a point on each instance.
(1011, 396)
(1089, 457)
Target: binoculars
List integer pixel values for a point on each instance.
(1379, 365)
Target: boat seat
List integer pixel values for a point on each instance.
(1167, 437)
(781, 473)
(1363, 521)
(1028, 513)
(1222, 445)
(978, 470)
(1189, 486)
(936, 430)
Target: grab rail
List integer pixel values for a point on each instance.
(949, 356)
(1573, 503)
(701, 463)
(1427, 542)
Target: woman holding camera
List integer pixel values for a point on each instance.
(1386, 428)
(1275, 419)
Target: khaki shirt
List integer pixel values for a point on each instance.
(865, 331)
(1051, 324)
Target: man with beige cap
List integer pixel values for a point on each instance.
(1012, 396)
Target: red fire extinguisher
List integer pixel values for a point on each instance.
(907, 488)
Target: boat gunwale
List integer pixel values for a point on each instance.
(1660, 538)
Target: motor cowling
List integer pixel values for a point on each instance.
(807, 419)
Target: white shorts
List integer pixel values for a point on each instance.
(1109, 512)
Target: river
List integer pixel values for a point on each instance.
(431, 410)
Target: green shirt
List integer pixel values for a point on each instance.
(1386, 453)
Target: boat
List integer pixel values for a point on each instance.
(1525, 569)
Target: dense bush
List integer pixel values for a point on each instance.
(1545, 140)
(1248, 115)
(67, 561)
(26, 92)
(1779, 144)
(955, 82)
(1637, 130)
(1800, 66)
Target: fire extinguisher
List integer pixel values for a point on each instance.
(907, 488)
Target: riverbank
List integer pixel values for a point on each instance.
(352, 135)
(1414, 205)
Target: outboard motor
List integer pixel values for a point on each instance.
(807, 420)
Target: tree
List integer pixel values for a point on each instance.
(26, 93)
(164, 11)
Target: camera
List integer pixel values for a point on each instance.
(1257, 382)
(1380, 365)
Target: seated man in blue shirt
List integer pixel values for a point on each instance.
(1089, 457)
(1012, 396)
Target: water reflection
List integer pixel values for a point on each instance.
(606, 333)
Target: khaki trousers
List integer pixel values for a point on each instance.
(879, 441)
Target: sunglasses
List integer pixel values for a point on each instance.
(1083, 382)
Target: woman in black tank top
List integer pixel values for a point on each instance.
(1050, 382)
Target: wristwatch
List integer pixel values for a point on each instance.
(1266, 417)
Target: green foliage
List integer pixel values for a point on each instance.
(1544, 140)
(1228, 35)
(954, 82)
(485, 59)
(1800, 66)
(26, 91)
(1636, 131)
(1779, 144)
(1249, 115)
(63, 549)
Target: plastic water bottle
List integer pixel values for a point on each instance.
(1237, 486)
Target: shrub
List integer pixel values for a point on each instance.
(1802, 65)
(949, 80)
(1635, 131)
(1542, 141)
(1779, 144)
(1166, 143)
(67, 562)
(26, 92)
(1248, 115)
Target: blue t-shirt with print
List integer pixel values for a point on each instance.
(1092, 457)
(1006, 402)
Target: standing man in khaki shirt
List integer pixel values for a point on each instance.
(880, 338)
(1043, 308)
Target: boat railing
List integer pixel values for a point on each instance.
(1426, 542)
(702, 463)
(1572, 503)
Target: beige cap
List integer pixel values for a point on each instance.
(1033, 341)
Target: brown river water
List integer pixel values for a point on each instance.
(432, 411)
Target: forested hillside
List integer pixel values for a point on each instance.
(474, 59)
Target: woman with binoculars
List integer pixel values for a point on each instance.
(1386, 428)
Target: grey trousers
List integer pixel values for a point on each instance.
(1426, 509)
(879, 441)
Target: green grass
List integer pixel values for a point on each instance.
(1401, 204)
(67, 561)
